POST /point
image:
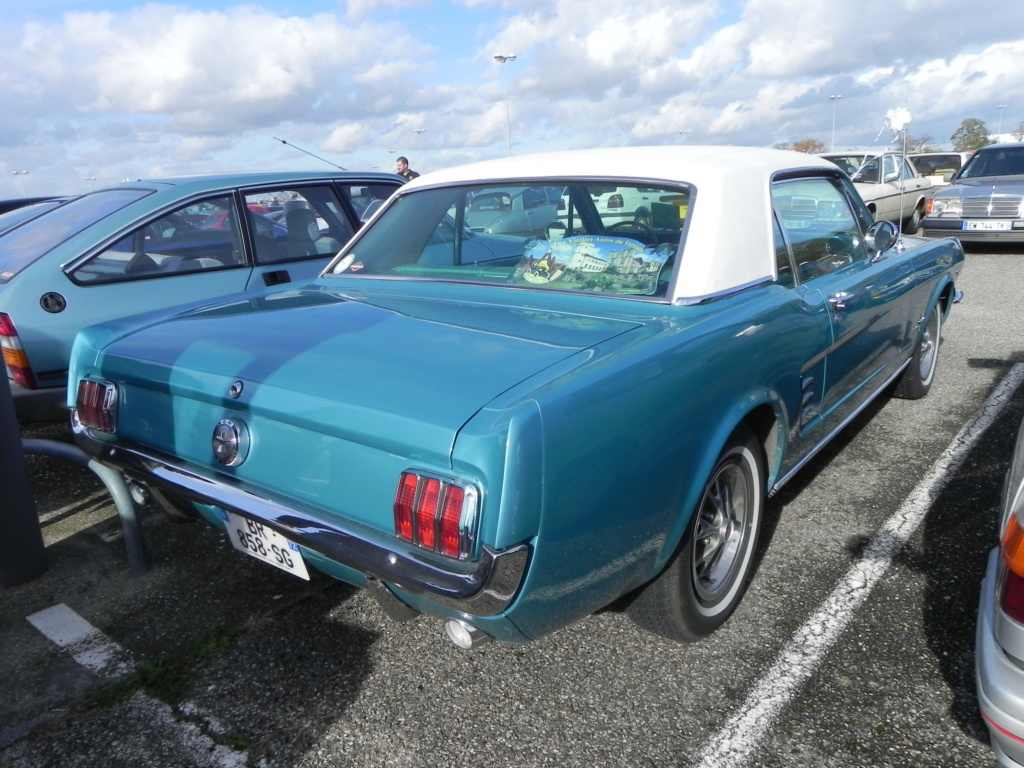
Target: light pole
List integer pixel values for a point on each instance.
(1001, 107)
(834, 99)
(683, 133)
(21, 177)
(508, 126)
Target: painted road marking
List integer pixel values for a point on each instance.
(735, 742)
(86, 644)
(101, 655)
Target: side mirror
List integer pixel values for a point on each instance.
(555, 230)
(880, 237)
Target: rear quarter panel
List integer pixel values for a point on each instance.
(610, 468)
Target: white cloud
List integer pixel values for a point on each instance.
(187, 90)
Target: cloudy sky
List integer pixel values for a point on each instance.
(94, 91)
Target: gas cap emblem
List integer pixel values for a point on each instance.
(230, 442)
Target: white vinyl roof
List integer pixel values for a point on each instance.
(729, 239)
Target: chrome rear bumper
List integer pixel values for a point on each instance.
(484, 587)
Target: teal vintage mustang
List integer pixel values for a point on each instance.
(511, 431)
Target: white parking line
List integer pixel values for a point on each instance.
(736, 741)
(98, 653)
(86, 644)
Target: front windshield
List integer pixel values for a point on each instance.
(590, 237)
(994, 162)
(23, 245)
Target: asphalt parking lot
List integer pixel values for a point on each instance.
(212, 658)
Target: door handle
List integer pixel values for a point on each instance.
(838, 301)
(276, 277)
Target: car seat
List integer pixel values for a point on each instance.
(304, 238)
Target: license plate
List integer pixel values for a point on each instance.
(264, 543)
(989, 226)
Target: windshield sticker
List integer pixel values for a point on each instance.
(593, 263)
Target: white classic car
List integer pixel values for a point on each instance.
(889, 183)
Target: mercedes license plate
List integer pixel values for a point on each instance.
(988, 226)
(264, 543)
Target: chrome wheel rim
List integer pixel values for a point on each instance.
(720, 532)
(928, 350)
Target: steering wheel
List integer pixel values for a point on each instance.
(840, 247)
(636, 228)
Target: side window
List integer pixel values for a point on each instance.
(820, 225)
(296, 223)
(197, 237)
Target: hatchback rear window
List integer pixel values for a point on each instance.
(24, 245)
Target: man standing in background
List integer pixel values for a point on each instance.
(402, 169)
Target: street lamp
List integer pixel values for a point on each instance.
(834, 99)
(508, 126)
(683, 133)
(1001, 107)
(418, 132)
(21, 175)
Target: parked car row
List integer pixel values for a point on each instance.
(528, 364)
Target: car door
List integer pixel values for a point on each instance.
(306, 228)
(868, 299)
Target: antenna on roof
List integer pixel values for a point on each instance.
(311, 154)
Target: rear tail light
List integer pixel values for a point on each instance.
(97, 405)
(1011, 593)
(14, 356)
(436, 514)
(615, 201)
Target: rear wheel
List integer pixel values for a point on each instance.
(703, 583)
(917, 379)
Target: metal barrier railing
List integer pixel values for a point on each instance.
(22, 552)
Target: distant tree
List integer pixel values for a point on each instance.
(972, 134)
(1019, 133)
(921, 144)
(810, 146)
(782, 145)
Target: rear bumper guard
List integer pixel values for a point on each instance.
(482, 588)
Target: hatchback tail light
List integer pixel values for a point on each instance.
(436, 514)
(97, 405)
(14, 356)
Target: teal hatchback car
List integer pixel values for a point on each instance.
(158, 243)
(510, 432)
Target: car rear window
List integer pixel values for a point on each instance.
(936, 165)
(550, 236)
(24, 245)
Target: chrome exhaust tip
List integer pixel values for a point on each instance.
(465, 635)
